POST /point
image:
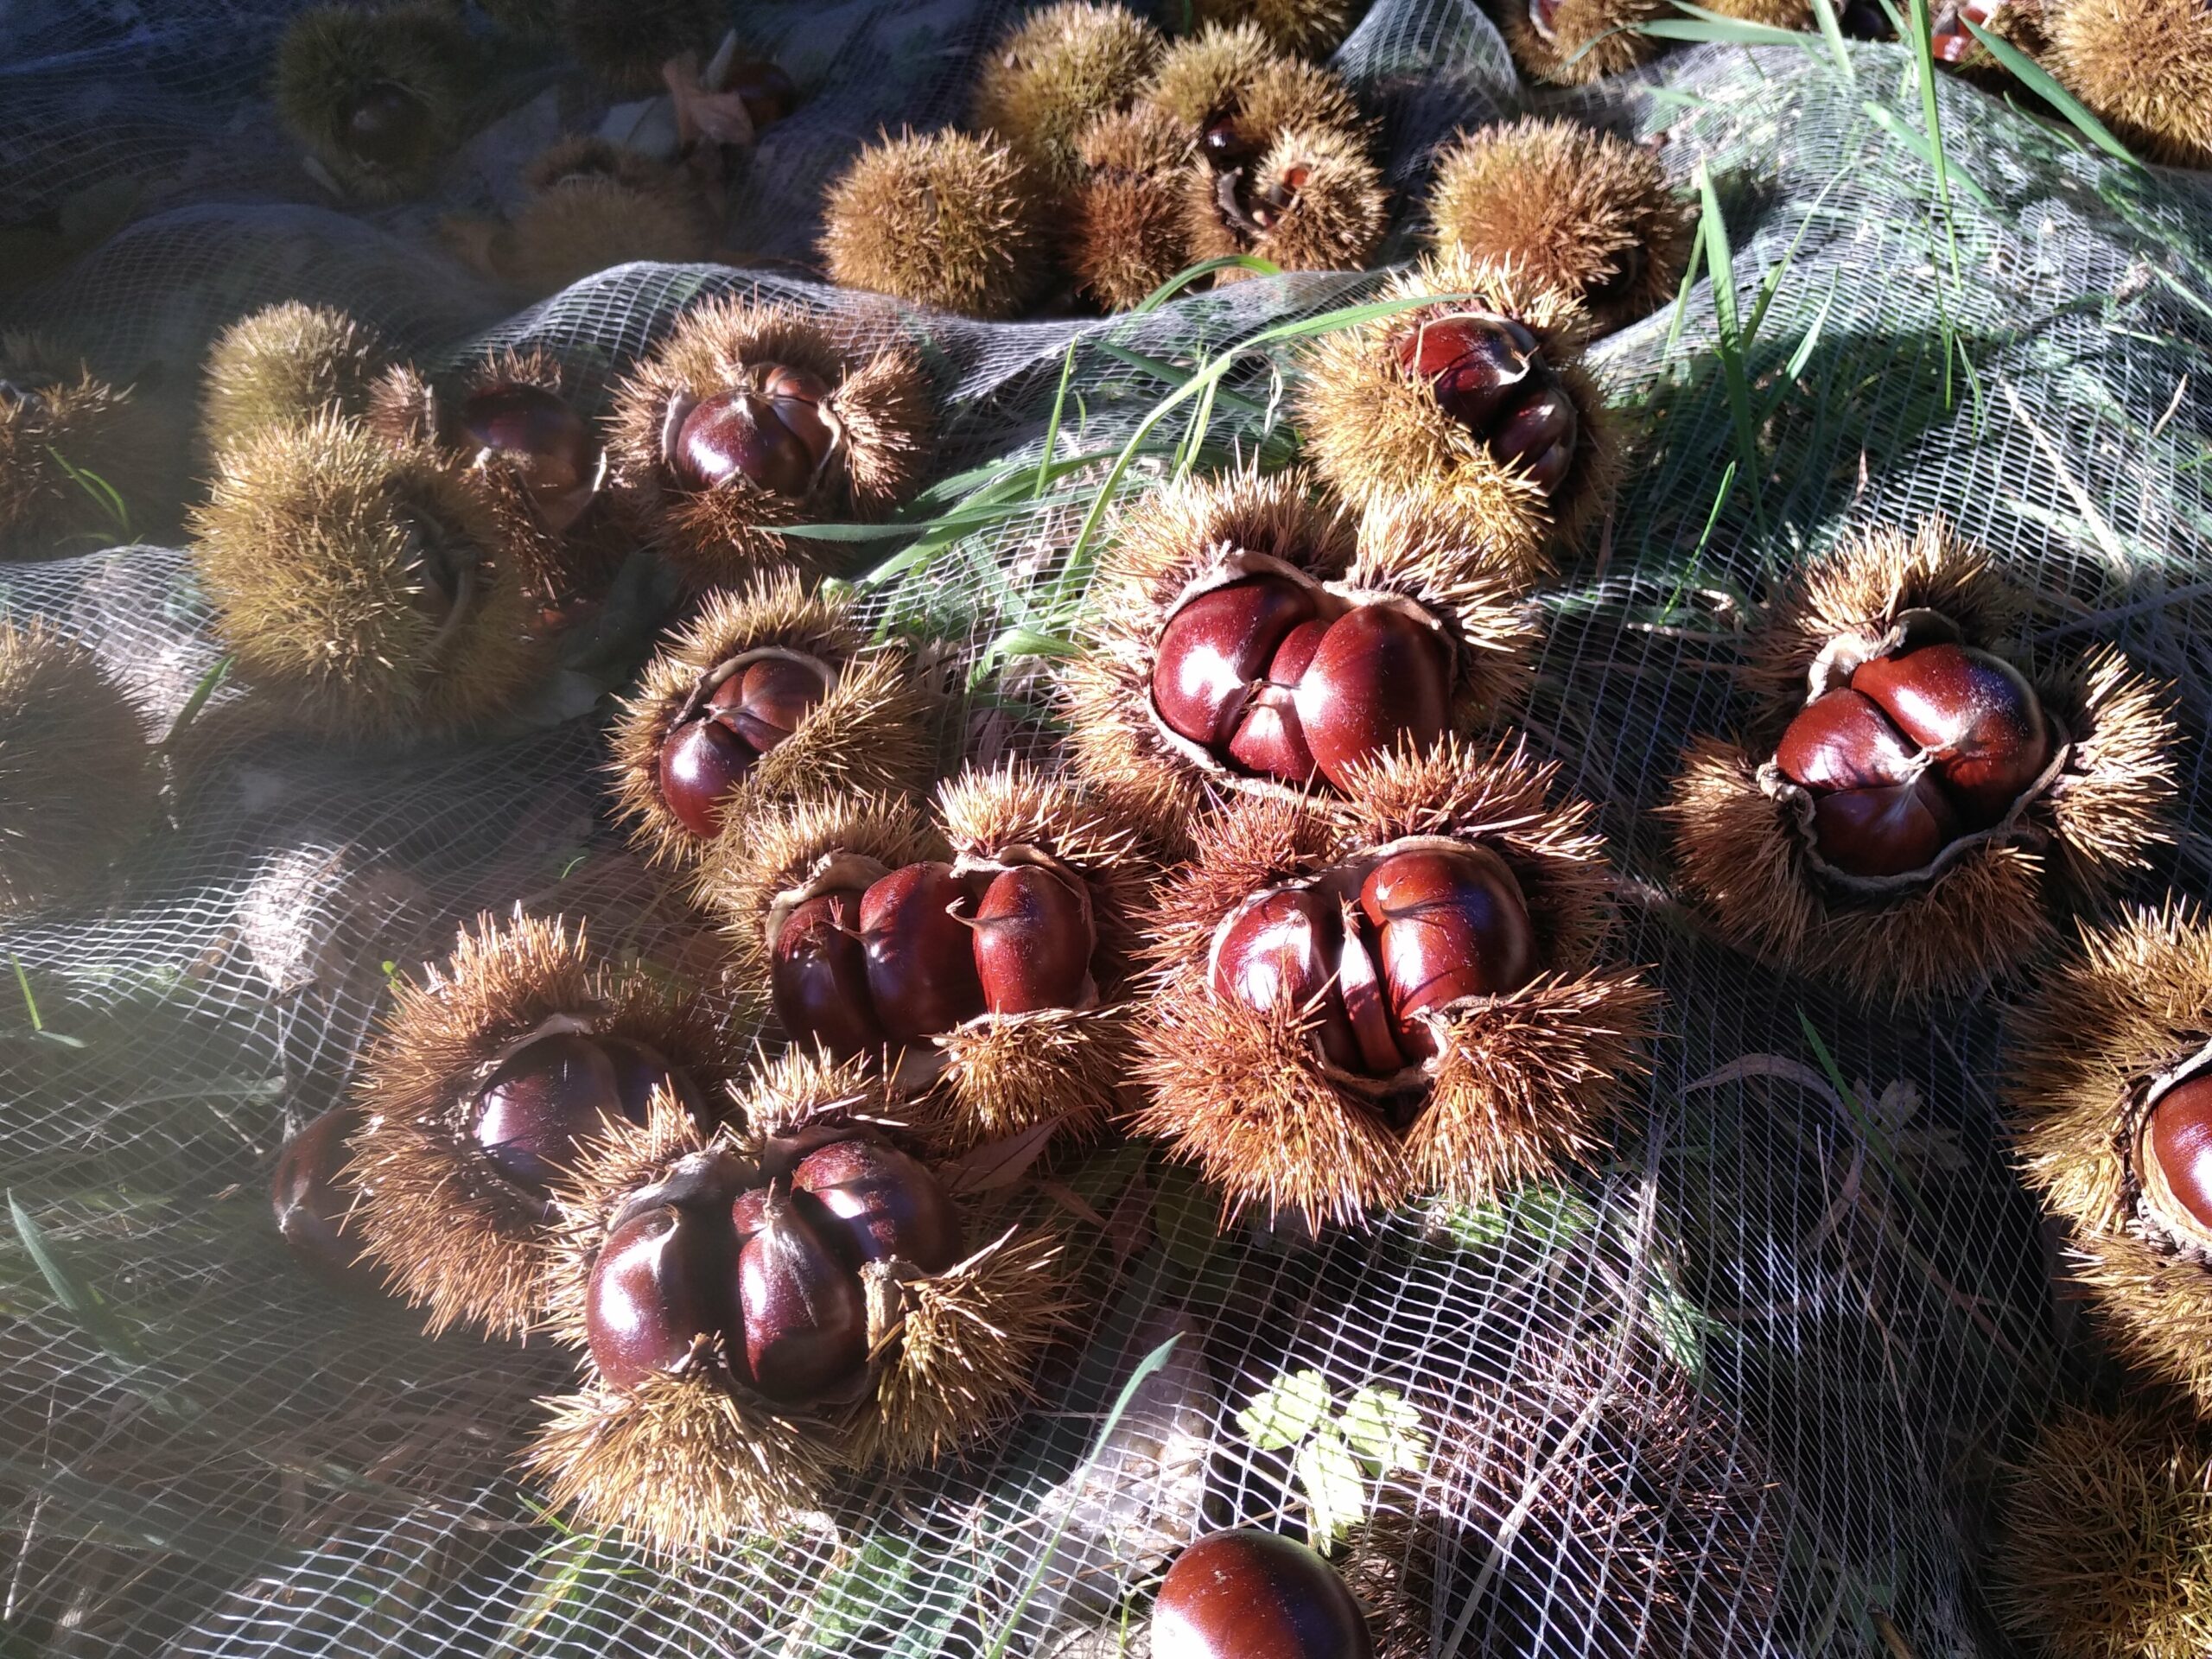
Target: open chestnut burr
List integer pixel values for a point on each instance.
(1402, 992)
(485, 1085)
(1245, 639)
(1478, 410)
(1571, 43)
(806, 1292)
(2109, 1094)
(377, 96)
(771, 692)
(1911, 806)
(983, 961)
(749, 418)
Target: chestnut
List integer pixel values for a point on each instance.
(773, 432)
(657, 1285)
(804, 1316)
(2179, 1136)
(384, 126)
(1216, 646)
(1842, 739)
(1490, 375)
(556, 1091)
(1033, 940)
(872, 1202)
(311, 1205)
(1449, 923)
(710, 751)
(1377, 680)
(818, 976)
(921, 963)
(1249, 1594)
(642, 1070)
(766, 92)
(1283, 950)
(1975, 713)
(1888, 832)
(534, 428)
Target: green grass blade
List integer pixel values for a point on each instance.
(1923, 57)
(208, 684)
(1182, 279)
(2038, 80)
(1831, 26)
(1917, 143)
(1712, 26)
(1052, 425)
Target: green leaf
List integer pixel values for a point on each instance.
(872, 1588)
(2037, 79)
(1384, 1430)
(1336, 1497)
(1286, 1412)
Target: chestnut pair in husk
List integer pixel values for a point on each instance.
(1402, 992)
(53, 410)
(770, 693)
(1912, 805)
(1479, 411)
(484, 1086)
(1247, 1594)
(748, 418)
(1568, 207)
(2109, 1097)
(1245, 637)
(985, 964)
(802, 1293)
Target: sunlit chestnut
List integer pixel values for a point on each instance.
(1449, 923)
(2179, 1135)
(921, 962)
(1282, 951)
(707, 755)
(818, 976)
(1216, 646)
(1033, 941)
(1977, 715)
(536, 430)
(546, 1098)
(384, 126)
(1489, 374)
(766, 701)
(1224, 145)
(804, 1315)
(1843, 740)
(876, 1202)
(312, 1204)
(1267, 736)
(773, 433)
(1379, 679)
(1887, 831)
(1249, 1594)
(661, 1280)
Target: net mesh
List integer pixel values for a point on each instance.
(1741, 1389)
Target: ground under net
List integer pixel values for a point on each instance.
(1740, 1389)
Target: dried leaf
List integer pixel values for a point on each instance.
(1002, 1162)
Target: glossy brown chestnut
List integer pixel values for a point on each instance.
(1889, 831)
(1216, 646)
(1283, 951)
(1247, 1594)
(384, 126)
(1975, 713)
(870, 1202)
(534, 428)
(2179, 1135)
(1267, 737)
(1378, 680)
(1033, 941)
(311, 1204)
(804, 1316)
(557, 1091)
(1489, 374)
(1843, 740)
(707, 754)
(921, 961)
(818, 976)
(661, 1282)
(1449, 923)
(773, 433)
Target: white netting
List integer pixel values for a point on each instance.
(1791, 1360)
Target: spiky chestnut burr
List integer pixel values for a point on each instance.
(364, 584)
(2145, 66)
(286, 362)
(1125, 214)
(624, 42)
(485, 1083)
(508, 428)
(683, 1448)
(1481, 410)
(2107, 1096)
(1961, 864)
(77, 781)
(1404, 992)
(2106, 1537)
(587, 204)
(376, 96)
(1055, 72)
(532, 19)
(749, 417)
(1312, 29)
(943, 219)
(987, 961)
(771, 692)
(1573, 42)
(1230, 78)
(1578, 210)
(1410, 637)
(56, 415)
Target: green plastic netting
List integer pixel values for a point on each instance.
(1743, 1390)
